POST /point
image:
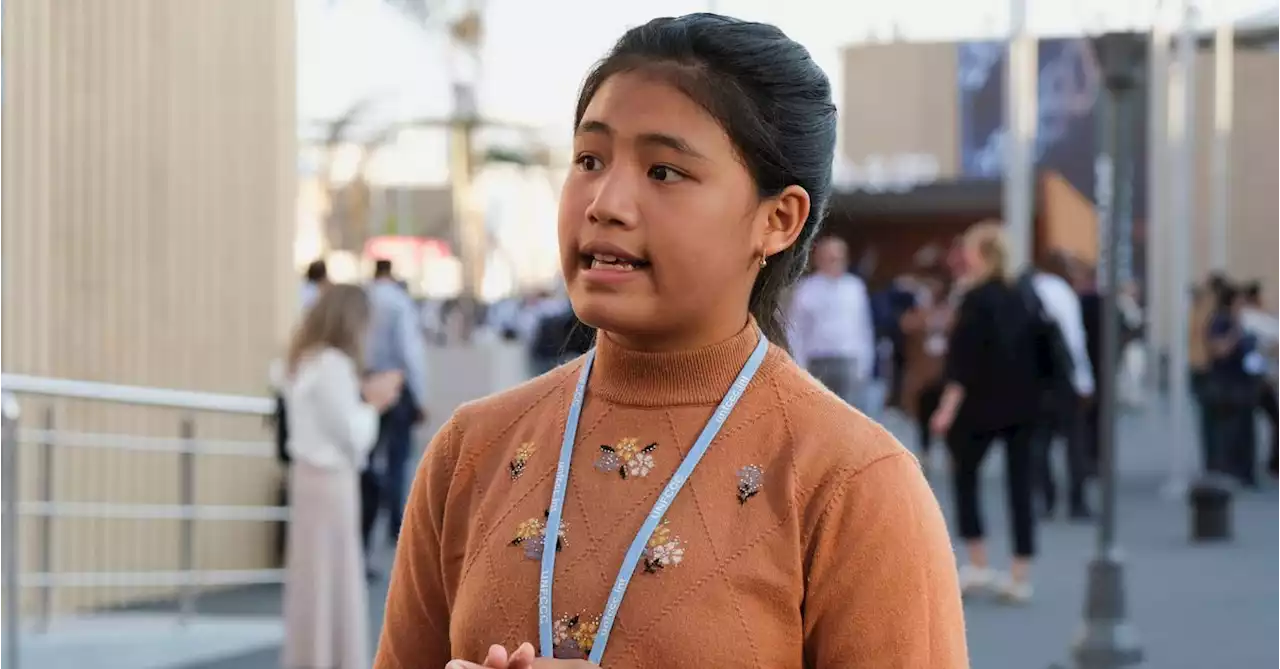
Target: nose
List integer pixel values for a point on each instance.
(615, 201)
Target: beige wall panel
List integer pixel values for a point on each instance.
(899, 99)
(1252, 226)
(149, 189)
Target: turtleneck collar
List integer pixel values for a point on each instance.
(697, 376)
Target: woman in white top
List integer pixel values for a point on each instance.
(331, 431)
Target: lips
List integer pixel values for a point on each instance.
(607, 257)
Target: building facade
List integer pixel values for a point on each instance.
(149, 178)
(920, 112)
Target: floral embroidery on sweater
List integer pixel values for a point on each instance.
(573, 636)
(663, 550)
(750, 478)
(628, 458)
(532, 534)
(523, 453)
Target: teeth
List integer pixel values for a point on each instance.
(597, 263)
(604, 257)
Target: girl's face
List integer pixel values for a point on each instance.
(661, 228)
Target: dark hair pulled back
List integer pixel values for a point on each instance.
(773, 102)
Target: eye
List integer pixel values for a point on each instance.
(588, 163)
(665, 174)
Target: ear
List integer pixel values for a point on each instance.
(785, 218)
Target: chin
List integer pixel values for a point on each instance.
(614, 313)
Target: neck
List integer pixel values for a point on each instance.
(673, 342)
(650, 376)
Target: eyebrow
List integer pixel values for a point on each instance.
(652, 138)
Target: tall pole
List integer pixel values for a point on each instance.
(469, 223)
(1182, 149)
(1155, 286)
(1020, 98)
(1220, 159)
(1108, 641)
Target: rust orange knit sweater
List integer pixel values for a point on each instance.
(806, 537)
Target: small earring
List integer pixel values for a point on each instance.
(764, 260)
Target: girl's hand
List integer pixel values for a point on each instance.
(525, 657)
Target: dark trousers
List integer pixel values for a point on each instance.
(1233, 449)
(968, 449)
(927, 403)
(383, 488)
(1204, 426)
(370, 493)
(1066, 418)
(1267, 401)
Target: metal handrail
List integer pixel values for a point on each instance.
(122, 394)
(187, 578)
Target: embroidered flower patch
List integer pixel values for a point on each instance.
(628, 458)
(523, 453)
(532, 535)
(573, 636)
(663, 550)
(750, 478)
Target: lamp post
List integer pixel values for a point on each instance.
(1107, 640)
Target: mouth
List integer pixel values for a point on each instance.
(609, 258)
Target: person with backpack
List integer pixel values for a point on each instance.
(1066, 375)
(992, 392)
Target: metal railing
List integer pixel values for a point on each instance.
(45, 509)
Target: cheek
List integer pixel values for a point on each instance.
(702, 246)
(572, 214)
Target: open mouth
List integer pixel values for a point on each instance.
(612, 263)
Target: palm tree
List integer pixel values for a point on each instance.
(466, 29)
(348, 209)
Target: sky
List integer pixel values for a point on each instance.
(536, 53)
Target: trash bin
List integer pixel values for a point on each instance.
(1210, 502)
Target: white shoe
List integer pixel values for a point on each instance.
(976, 580)
(1015, 592)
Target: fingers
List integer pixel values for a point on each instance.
(497, 657)
(524, 657)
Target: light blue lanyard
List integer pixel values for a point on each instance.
(655, 515)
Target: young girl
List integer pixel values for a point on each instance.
(331, 430)
(684, 495)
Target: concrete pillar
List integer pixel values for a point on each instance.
(1020, 98)
(1157, 291)
(1220, 158)
(1182, 106)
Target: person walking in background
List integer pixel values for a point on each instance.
(1064, 408)
(395, 343)
(992, 392)
(925, 328)
(331, 430)
(1235, 382)
(314, 282)
(1203, 300)
(1263, 325)
(832, 334)
(1132, 362)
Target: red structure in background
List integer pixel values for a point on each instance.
(406, 252)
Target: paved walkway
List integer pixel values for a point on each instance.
(1193, 606)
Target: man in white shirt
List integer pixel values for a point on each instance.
(1263, 325)
(395, 343)
(832, 333)
(1062, 304)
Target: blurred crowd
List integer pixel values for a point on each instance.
(972, 353)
